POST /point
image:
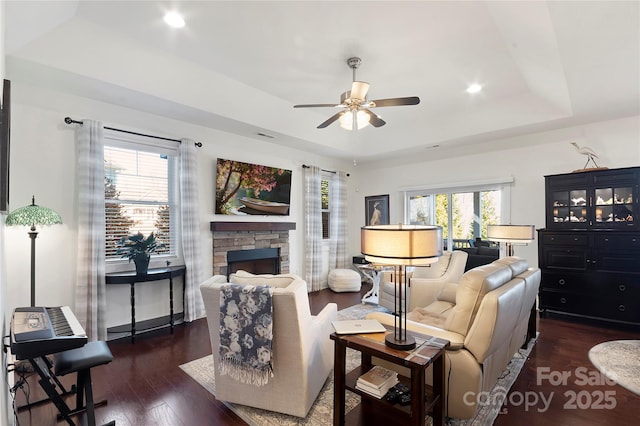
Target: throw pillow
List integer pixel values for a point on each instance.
(244, 277)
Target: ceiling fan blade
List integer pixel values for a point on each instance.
(359, 90)
(331, 119)
(412, 100)
(374, 119)
(316, 105)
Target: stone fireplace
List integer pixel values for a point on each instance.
(241, 238)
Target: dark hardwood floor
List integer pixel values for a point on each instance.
(144, 385)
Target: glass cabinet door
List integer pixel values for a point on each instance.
(593, 200)
(570, 207)
(613, 206)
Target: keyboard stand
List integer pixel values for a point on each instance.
(48, 382)
(63, 392)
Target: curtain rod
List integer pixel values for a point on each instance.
(304, 166)
(69, 120)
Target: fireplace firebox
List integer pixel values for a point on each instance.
(256, 261)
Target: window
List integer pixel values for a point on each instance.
(139, 192)
(462, 212)
(325, 193)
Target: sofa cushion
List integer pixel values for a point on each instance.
(434, 270)
(244, 277)
(448, 293)
(425, 316)
(473, 286)
(516, 264)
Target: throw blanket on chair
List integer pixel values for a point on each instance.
(246, 333)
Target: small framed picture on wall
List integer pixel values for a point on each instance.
(376, 210)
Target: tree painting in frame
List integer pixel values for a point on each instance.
(376, 210)
(252, 189)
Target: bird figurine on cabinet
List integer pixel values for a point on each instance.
(590, 153)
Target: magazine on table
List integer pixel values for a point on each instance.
(377, 377)
(377, 392)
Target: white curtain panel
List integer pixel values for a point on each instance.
(91, 302)
(313, 229)
(190, 229)
(338, 257)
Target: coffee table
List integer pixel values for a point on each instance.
(429, 351)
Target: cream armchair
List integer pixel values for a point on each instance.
(302, 351)
(425, 282)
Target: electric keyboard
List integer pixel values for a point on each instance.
(39, 331)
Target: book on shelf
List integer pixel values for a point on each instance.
(377, 377)
(377, 392)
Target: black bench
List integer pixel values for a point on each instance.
(81, 360)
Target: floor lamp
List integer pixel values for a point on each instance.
(510, 235)
(401, 246)
(33, 215)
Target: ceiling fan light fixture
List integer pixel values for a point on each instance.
(356, 112)
(349, 121)
(359, 90)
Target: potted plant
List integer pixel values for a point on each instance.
(139, 249)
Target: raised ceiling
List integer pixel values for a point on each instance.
(240, 66)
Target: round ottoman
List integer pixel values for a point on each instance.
(341, 280)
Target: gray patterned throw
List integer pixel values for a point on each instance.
(246, 333)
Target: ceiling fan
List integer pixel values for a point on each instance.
(355, 112)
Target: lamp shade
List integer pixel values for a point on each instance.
(32, 215)
(522, 234)
(359, 90)
(401, 244)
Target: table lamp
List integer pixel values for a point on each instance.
(33, 215)
(401, 246)
(511, 235)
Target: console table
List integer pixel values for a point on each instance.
(131, 278)
(429, 351)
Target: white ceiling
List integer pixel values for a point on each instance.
(241, 66)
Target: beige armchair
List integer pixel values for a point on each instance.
(425, 282)
(302, 355)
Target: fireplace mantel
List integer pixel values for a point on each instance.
(252, 226)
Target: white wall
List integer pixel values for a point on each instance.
(617, 142)
(4, 325)
(43, 163)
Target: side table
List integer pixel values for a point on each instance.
(131, 278)
(373, 273)
(429, 351)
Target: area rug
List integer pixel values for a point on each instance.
(321, 413)
(619, 360)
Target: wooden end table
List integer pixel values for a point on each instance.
(424, 399)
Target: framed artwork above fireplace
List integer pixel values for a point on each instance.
(252, 189)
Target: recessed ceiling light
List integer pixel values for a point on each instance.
(474, 88)
(174, 19)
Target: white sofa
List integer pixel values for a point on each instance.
(485, 317)
(302, 355)
(425, 282)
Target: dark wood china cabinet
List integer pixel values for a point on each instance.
(589, 252)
